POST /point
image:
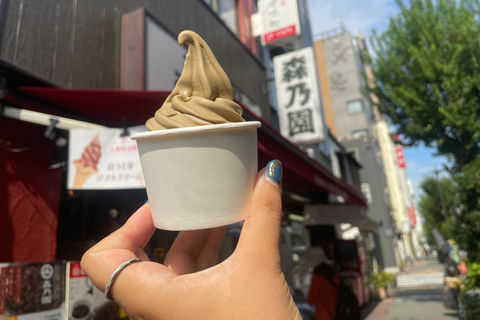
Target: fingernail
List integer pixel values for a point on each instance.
(274, 172)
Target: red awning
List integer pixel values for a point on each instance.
(302, 175)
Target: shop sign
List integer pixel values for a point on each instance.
(298, 97)
(279, 21)
(32, 291)
(400, 156)
(412, 215)
(103, 159)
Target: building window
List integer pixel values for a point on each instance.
(355, 106)
(227, 10)
(341, 164)
(359, 134)
(355, 154)
(237, 15)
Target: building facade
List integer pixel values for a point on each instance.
(400, 188)
(77, 44)
(350, 117)
(132, 45)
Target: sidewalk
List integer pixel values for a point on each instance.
(417, 302)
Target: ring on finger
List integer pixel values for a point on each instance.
(115, 274)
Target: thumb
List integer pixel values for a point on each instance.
(259, 240)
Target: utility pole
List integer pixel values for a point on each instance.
(440, 192)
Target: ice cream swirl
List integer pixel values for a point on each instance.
(203, 94)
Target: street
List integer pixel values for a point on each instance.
(418, 296)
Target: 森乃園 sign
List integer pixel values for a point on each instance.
(298, 98)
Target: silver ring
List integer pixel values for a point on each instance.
(115, 274)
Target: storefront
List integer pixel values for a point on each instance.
(134, 49)
(83, 217)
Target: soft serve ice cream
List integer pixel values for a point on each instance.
(200, 172)
(203, 94)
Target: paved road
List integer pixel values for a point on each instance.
(419, 297)
(420, 279)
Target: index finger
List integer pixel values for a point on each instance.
(100, 261)
(134, 234)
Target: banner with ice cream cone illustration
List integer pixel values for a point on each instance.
(103, 160)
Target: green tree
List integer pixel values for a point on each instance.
(467, 226)
(427, 75)
(430, 206)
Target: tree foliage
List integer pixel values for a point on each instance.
(430, 206)
(427, 75)
(467, 226)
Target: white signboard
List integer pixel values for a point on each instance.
(279, 20)
(298, 97)
(103, 159)
(367, 192)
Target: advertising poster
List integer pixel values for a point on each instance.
(103, 160)
(33, 291)
(85, 301)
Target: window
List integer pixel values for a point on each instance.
(341, 164)
(355, 153)
(227, 10)
(355, 106)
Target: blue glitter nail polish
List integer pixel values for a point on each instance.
(275, 171)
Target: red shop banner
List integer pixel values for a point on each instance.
(400, 156)
(412, 215)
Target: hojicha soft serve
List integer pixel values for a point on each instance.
(203, 94)
(199, 158)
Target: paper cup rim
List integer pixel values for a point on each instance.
(197, 129)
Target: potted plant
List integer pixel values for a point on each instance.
(470, 294)
(380, 281)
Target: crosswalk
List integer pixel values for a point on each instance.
(419, 279)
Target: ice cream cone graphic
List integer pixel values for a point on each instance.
(87, 164)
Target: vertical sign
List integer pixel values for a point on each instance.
(298, 97)
(279, 20)
(412, 215)
(400, 156)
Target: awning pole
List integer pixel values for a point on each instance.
(46, 119)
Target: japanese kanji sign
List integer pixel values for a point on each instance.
(298, 97)
(279, 21)
(103, 159)
(400, 156)
(412, 216)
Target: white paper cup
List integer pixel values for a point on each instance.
(199, 177)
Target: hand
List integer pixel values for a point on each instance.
(247, 285)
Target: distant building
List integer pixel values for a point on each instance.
(399, 185)
(350, 117)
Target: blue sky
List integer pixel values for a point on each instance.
(365, 15)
